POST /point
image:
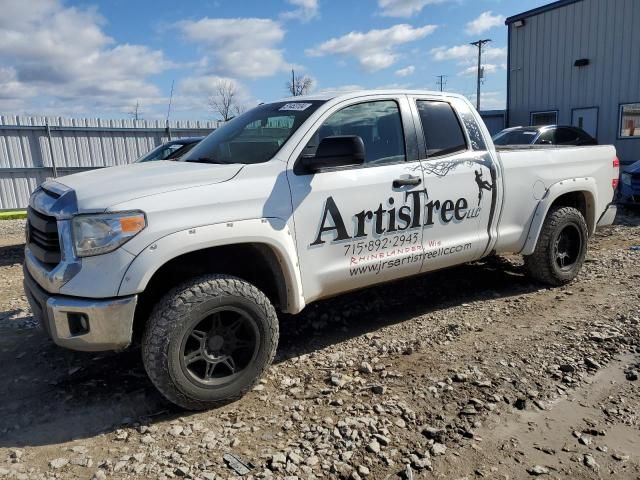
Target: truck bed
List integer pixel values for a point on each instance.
(535, 169)
(511, 148)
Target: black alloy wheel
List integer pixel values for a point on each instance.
(219, 346)
(567, 247)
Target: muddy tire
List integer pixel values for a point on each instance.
(208, 341)
(561, 247)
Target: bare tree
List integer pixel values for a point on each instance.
(299, 85)
(224, 101)
(239, 109)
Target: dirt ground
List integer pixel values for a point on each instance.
(472, 372)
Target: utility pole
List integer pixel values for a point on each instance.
(293, 82)
(168, 128)
(170, 100)
(479, 44)
(441, 81)
(135, 113)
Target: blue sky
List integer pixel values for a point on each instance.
(78, 58)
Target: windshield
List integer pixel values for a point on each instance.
(255, 136)
(167, 151)
(515, 137)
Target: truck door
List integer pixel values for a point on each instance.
(459, 186)
(357, 226)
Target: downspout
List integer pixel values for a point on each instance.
(506, 114)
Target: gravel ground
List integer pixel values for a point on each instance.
(472, 372)
(11, 231)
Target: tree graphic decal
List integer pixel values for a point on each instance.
(441, 168)
(482, 185)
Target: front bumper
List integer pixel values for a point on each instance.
(85, 324)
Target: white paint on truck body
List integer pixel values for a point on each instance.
(560, 170)
(343, 229)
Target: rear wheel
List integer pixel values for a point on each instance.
(208, 341)
(561, 247)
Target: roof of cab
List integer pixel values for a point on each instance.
(186, 140)
(342, 95)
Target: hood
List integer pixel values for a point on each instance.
(100, 189)
(633, 168)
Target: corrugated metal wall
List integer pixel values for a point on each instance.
(34, 149)
(494, 120)
(542, 75)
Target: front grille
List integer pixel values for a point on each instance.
(43, 238)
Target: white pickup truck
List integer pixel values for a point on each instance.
(289, 203)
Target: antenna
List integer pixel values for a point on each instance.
(293, 82)
(170, 100)
(441, 82)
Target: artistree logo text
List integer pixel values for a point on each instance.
(415, 213)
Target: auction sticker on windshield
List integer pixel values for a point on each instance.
(296, 107)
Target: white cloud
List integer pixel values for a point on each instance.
(203, 86)
(62, 55)
(466, 53)
(192, 93)
(489, 68)
(492, 100)
(375, 49)
(404, 8)
(340, 89)
(243, 47)
(355, 87)
(406, 71)
(486, 21)
(305, 10)
(11, 88)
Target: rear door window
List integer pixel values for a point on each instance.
(442, 131)
(546, 138)
(585, 139)
(566, 136)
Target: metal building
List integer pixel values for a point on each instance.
(494, 120)
(578, 62)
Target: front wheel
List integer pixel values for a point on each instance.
(208, 341)
(561, 247)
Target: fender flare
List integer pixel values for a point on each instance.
(587, 186)
(271, 233)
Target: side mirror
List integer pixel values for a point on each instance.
(336, 151)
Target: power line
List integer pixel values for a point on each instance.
(479, 44)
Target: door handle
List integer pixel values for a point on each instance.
(407, 181)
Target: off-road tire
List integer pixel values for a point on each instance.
(542, 265)
(167, 326)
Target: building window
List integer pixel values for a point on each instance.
(630, 120)
(539, 119)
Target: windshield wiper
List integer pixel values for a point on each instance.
(207, 160)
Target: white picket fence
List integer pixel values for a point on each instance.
(34, 149)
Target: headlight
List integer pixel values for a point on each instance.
(98, 234)
(626, 179)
